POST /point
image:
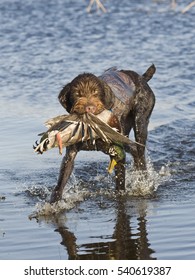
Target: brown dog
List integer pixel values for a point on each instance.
(130, 99)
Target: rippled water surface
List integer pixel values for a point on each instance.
(45, 44)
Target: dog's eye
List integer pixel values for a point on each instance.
(77, 94)
(95, 93)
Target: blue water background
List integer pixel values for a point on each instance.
(44, 45)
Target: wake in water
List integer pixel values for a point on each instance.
(138, 183)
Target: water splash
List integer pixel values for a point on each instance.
(138, 183)
(145, 183)
(69, 201)
(73, 194)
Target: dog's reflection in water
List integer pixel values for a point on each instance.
(124, 243)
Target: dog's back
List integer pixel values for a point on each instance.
(120, 84)
(123, 84)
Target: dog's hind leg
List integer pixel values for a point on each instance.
(66, 168)
(141, 137)
(145, 102)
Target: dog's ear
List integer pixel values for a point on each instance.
(109, 97)
(64, 97)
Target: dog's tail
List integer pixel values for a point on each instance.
(149, 73)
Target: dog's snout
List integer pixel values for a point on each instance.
(90, 109)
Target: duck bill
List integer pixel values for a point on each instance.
(111, 166)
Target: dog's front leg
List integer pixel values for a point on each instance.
(66, 168)
(120, 162)
(120, 175)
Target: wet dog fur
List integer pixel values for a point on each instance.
(89, 93)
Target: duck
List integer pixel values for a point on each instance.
(66, 130)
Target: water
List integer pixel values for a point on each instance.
(45, 44)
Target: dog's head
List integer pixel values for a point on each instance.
(86, 93)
